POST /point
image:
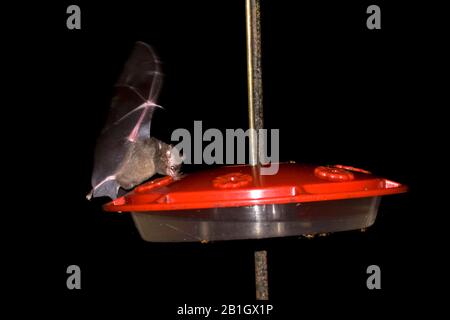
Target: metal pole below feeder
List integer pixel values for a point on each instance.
(262, 284)
(255, 115)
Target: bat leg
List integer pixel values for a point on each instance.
(108, 188)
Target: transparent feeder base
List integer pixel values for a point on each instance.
(256, 222)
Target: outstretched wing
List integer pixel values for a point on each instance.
(129, 118)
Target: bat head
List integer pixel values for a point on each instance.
(174, 161)
(170, 160)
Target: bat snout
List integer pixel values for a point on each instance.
(173, 170)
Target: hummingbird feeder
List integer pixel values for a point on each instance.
(237, 202)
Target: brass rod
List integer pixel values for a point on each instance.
(254, 79)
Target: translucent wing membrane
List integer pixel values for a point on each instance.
(142, 72)
(129, 118)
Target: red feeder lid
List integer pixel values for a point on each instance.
(242, 185)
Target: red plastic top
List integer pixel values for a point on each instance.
(242, 185)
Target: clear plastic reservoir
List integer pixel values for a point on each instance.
(258, 221)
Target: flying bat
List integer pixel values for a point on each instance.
(126, 155)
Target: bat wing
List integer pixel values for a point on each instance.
(129, 118)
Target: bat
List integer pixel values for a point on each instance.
(126, 154)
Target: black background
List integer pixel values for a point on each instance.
(338, 92)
